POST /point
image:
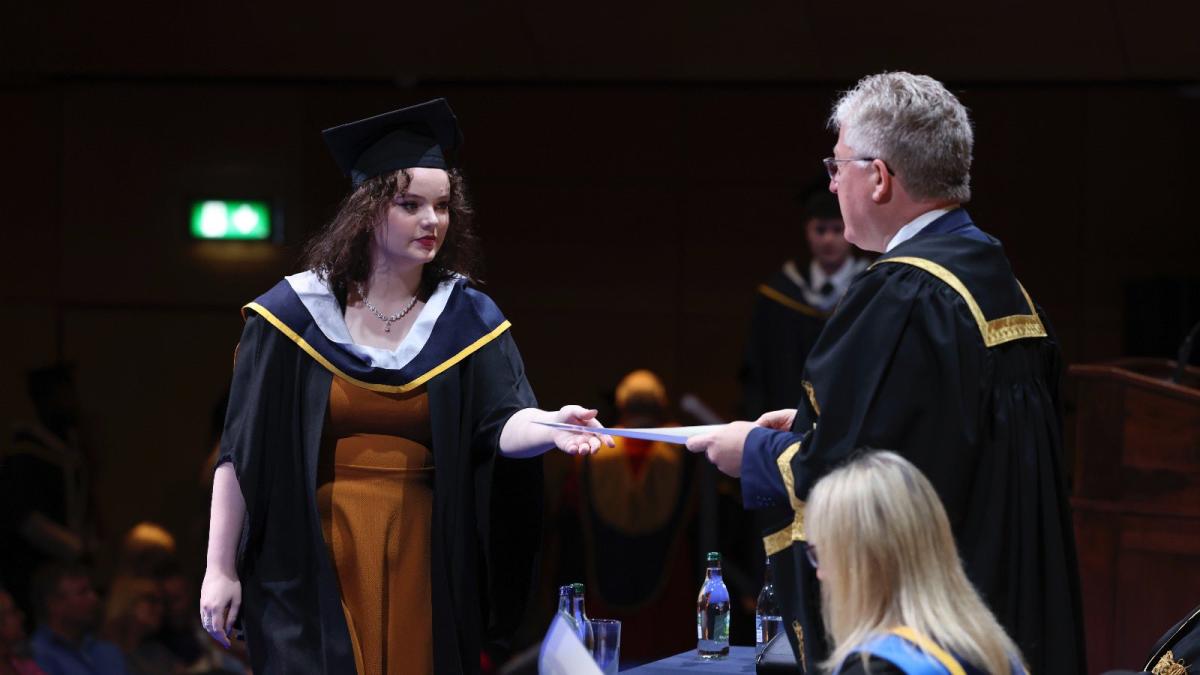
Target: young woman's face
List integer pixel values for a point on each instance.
(416, 221)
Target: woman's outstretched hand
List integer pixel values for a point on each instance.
(579, 443)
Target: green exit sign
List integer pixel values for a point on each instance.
(216, 219)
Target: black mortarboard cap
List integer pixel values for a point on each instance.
(424, 135)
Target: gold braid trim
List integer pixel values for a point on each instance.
(780, 540)
(1167, 665)
(812, 396)
(799, 630)
(994, 332)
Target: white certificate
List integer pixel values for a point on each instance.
(677, 435)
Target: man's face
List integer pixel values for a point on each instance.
(827, 242)
(76, 602)
(853, 186)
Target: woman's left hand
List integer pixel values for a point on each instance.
(578, 443)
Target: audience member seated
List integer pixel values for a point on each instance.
(185, 637)
(894, 595)
(14, 657)
(47, 512)
(132, 620)
(147, 551)
(67, 609)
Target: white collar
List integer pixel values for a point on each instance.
(327, 314)
(811, 291)
(914, 227)
(840, 279)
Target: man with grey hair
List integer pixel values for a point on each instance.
(936, 352)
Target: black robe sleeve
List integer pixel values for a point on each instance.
(250, 416)
(510, 494)
(291, 609)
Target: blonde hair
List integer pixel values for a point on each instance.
(888, 559)
(641, 384)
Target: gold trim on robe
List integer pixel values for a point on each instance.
(994, 332)
(780, 540)
(791, 303)
(384, 388)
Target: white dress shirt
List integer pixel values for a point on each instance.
(914, 227)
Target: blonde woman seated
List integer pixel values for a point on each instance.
(895, 597)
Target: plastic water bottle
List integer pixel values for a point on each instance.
(712, 612)
(768, 620)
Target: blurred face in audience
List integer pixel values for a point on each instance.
(827, 243)
(148, 611)
(179, 604)
(76, 603)
(12, 620)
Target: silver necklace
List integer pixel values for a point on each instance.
(389, 319)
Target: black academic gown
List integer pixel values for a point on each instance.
(783, 329)
(936, 352)
(486, 513)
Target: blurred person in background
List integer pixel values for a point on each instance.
(627, 528)
(68, 611)
(791, 308)
(146, 551)
(896, 599)
(14, 648)
(183, 635)
(133, 617)
(46, 509)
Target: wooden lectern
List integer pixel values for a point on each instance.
(1136, 503)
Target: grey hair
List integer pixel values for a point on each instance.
(917, 126)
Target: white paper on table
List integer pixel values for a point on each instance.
(562, 652)
(677, 435)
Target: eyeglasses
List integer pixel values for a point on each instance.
(810, 552)
(831, 164)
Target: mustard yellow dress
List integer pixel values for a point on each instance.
(375, 498)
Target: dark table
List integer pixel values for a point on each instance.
(740, 660)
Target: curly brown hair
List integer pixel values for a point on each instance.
(341, 252)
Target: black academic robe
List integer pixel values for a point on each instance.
(486, 512)
(1178, 650)
(783, 329)
(937, 352)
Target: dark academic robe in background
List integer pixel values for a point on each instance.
(487, 509)
(783, 330)
(936, 352)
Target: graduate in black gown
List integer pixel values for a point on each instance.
(282, 550)
(938, 353)
(792, 306)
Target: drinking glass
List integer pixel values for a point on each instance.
(606, 644)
